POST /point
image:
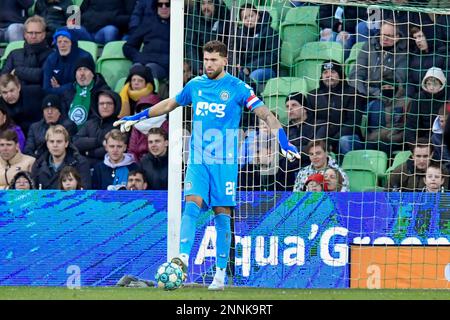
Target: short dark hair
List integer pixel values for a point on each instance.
(159, 131)
(136, 172)
(438, 165)
(9, 135)
(422, 143)
(216, 46)
(316, 143)
(66, 172)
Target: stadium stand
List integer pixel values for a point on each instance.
(112, 64)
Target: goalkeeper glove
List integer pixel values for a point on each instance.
(127, 122)
(288, 150)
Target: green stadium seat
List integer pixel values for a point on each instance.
(288, 53)
(368, 165)
(300, 25)
(308, 64)
(400, 158)
(351, 60)
(119, 85)
(112, 64)
(273, 12)
(10, 47)
(31, 9)
(240, 3)
(90, 47)
(275, 93)
(77, 2)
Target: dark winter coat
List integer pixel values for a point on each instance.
(36, 134)
(55, 14)
(257, 47)
(89, 139)
(45, 176)
(156, 171)
(28, 108)
(155, 35)
(28, 63)
(143, 10)
(63, 67)
(97, 14)
(200, 30)
(14, 11)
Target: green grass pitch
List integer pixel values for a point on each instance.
(201, 293)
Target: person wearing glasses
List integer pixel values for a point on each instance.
(154, 35)
(27, 63)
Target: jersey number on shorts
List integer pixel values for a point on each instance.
(229, 191)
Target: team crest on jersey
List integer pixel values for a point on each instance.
(224, 95)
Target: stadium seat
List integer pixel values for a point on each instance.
(361, 180)
(273, 12)
(119, 85)
(351, 60)
(400, 158)
(112, 64)
(90, 47)
(10, 47)
(276, 91)
(288, 53)
(300, 25)
(77, 2)
(365, 164)
(308, 64)
(239, 3)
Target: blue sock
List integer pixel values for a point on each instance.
(188, 226)
(223, 230)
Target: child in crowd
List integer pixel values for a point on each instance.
(22, 181)
(315, 183)
(333, 179)
(69, 179)
(434, 178)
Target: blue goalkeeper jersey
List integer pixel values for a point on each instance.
(217, 109)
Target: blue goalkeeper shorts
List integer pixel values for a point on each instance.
(215, 183)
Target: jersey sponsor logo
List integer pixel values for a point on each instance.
(203, 108)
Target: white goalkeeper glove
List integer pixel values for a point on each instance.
(127, 122)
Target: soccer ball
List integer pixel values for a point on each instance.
(169, 276)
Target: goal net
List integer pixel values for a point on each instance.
(361, 88)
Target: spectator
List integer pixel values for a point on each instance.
(383, 56)
(55, 13)
(187, 73)
(22, 103)
(256, 47)
(136, 180)
(143, 10)
(139, 88)
(58, 154)
(77, 100)
(51, 110)
(315, 183)
(155, 164)
(336, 110)
(154, 38)
(440, 150)
(333, 179)
(386, 118)
(12, 16)
(22, 181)
(210, 20)
(423, 56)
(425, 107)
(11, 159)
(59, 68)
(300, 130)
(89, 139)
(27, 63)
(320, 161)
(409, 175)
(6, 123)
(106, 20)
(69, 179)
(112, 173)
(434, 178)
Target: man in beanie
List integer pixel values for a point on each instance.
(334, 109)
(59, 68)
(52, 114)
(77, 100)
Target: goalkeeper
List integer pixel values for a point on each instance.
(217, 99)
